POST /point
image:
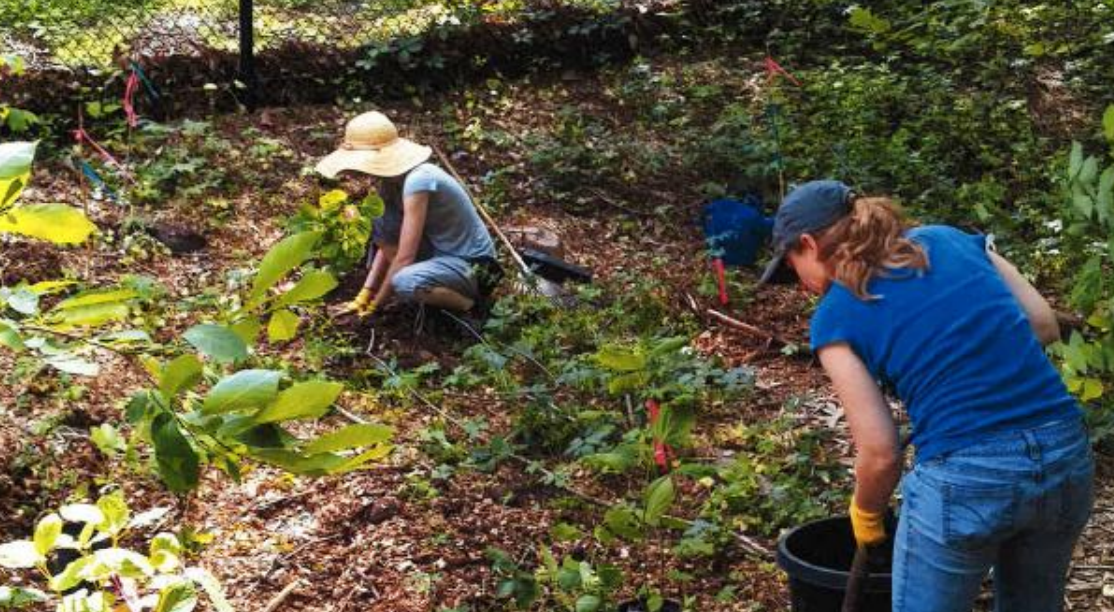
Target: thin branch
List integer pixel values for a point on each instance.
(752, 330)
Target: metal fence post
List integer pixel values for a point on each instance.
(247, 53)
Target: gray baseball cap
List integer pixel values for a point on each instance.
(807, 209)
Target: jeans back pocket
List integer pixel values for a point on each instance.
(977, 516)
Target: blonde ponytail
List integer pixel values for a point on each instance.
(867, 242)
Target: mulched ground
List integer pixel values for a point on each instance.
(381, 539)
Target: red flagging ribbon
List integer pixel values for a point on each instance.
(721, 280)
(773, 69)
(663, 454)
(83, 137)
(130, 88)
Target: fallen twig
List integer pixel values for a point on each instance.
(754, 331)
(277, 600)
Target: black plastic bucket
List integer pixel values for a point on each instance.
(817, 557)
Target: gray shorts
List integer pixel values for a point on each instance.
(443, 271)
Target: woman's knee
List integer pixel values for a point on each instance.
(407, 283)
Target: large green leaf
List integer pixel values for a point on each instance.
(17, 597)
(657, 499)
(72, 364)
(94, 315)
(1075, 160)
(359, 461)
(9, 337)
(23, 301)
(309, 399)
(627, 383)
(588, 603)
(180, 375)
(283, 326)
(297, 463)
(620, 359)
(1104, 199)
(313, 285)
(72, 575)
(91, 298)
(1089, 170)
(46, 533)
(55, 223)
(353, 436)
(247, 330)
(117, 515)
(217, 342)
(212, 587)
(177, 461)
(15, 170)
(82, 513)
(124, 562)
(244, 390)
(21, 554)
(288, 254)
(623, 521)
(164, 552)
(178, 597)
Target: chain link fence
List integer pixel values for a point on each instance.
(84, 35)
(290, 46)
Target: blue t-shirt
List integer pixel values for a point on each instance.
(452, 225)
(952, 342)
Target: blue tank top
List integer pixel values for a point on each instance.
(951, 342)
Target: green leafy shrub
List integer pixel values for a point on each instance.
(56, 223)
(103, 575)
(344, 226)
(1087, 358)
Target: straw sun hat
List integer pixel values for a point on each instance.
(372, 146)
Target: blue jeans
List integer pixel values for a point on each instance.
(411, 282)
(1016, 502)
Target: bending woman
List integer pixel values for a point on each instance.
(1002, 473)
(430, 244)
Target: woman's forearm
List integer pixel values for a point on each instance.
(876, 477)
(379, 266)
(386, 289)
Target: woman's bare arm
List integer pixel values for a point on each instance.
(414, 212)
(877, 457)
(1041, 316)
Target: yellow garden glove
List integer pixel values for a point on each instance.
(869, 527)
(361, 305)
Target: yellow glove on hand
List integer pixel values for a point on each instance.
(361, 304)
(869, 527)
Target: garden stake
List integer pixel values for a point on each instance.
(717, 265)
(663, 454)
(773, 71)
(128, 101)
(772, 111)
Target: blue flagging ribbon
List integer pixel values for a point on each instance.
(148, 86)
(97, 181)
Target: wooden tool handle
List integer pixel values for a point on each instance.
(483, 212)
(856, 581)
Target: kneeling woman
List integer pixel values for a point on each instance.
(1002, 474)
(430, 244)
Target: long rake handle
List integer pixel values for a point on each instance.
(483, 213)
(856, 581)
